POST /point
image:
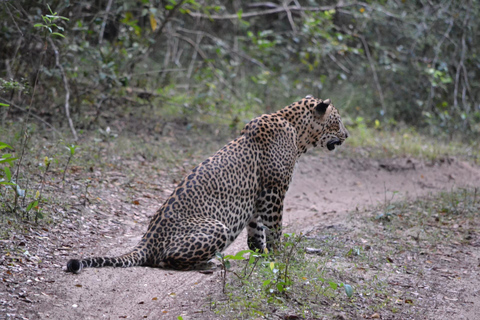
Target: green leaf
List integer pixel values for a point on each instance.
(39, 25)
(3, 145)
(32, 205)
(6, 183)
(238, 255)
(8, 160)
(348, 290)
(227, 264)
(333, 285)
(266, 282)
(39, 215)
(169, 7)
(235, 257)
(8, 174)
(4, 105)
(251, 260)
(57, 34)
(280, 287)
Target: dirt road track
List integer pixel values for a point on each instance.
(325, 188)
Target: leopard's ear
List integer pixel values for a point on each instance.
(321, 108)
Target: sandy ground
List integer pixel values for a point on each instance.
(325, 188)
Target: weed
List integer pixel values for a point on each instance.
(357, 272)
(375, 142)
(287, 281)
(72, 149)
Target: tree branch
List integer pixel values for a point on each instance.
(104, 22)
(32, 114)
(293, 9)
(375, 77)
(221, 43)
(372, 65)
(434, 61)
(67, 89)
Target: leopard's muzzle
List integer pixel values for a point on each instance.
(332, 143)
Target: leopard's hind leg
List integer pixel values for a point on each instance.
(197, 242)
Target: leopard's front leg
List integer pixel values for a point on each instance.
(264, 229)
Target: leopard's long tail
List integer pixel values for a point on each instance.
(131, 259)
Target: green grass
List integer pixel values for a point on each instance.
(389, 249)
(407, 142)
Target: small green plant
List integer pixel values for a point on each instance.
(72, 149)
(5, 172)
(226, 265)
(286, 278)
(49, 23)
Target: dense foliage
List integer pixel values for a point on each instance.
(414, 62)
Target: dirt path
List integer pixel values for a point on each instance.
(324, 189)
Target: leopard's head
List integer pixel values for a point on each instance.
(323, 125)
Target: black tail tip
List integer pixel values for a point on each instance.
(74, 266)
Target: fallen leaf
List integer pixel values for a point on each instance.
(155, 298)
(375, 316)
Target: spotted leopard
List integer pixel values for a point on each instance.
(242, 185)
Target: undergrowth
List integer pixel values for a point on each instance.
(375, 141)
(375, 270)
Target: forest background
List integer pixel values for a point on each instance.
(383, 63)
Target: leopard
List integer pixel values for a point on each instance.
(243, 185)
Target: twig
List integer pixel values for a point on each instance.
(14, 21)
(457, 75)
(341, 66)
(167, 18)
(290, 18)
(375, 77)
(32, 114)
(379, 8)
(204, 56)
(372, 65)
(434, 61)
(293, 9)
(104, 22)
(194, 55)
(29, 112)
(221, 43)
(67, 90)
(158, 33)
